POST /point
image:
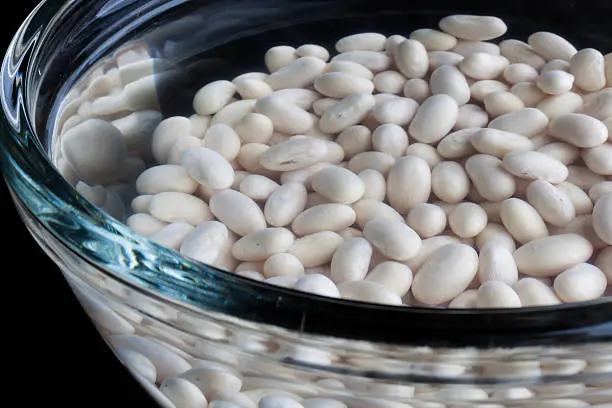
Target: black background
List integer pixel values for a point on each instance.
(54, 354)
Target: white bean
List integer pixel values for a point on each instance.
(580, 283)
(473, 28)
(428, 247)
(555, 82)
(518, 51)
(208, 168)
(457, 144)
(471, 116)
(394, 275)
(502, 102)
(340, 85)
(480, 89)
(330, 217)
(186, 141)
(446, 273)
(338, 185)
(285, 203)
(466, 300)
(232, 113)
(138, 363)
(183, 393)
(393, 238)
(390, 139)
(351, 260)
(600, 189)
(286, 117)
(294, 154)
(426, 220)
(347, 112)
(212, 97)
(350, 67)
(408, 183)
(579, 198)
(317, 284)
(579, 130)
(556, 64)
(355, 139)
(417, 89)
(303, 98)
(548, 256)
(467, 220)
(145, 224)
(389, 82)
(283, 264)
(588, 67)
(441, 58)
(262, 244)
(300, 73)
(367, 291)
(497, 294)
(602, 219)
(604, 262)
(237, 211)
(211, 381)
(534, 165)
(499, 143)
(495, 233)
(411, 58)
(367, 209)
(375, 185)
(374, 61)
(552, 203)
(599, 159)
(480, 65)
(434, 40)
(527, 122)
(279, 57)
(450, 182)
(398, 111)
(316, 249)
(497, 264)
(434, 119)
(447, 79)
(425, 152)
(533, 292)
(313, 50)
(179, 207)
(205, 242)
(361, 42)
(490, 179)
(250, 88)
(257, 187)
(551, 46)
(224, 140)
(522, 221)
(466, 47)
(172, 235)
(598, 104)
(520, 72)
(168, 177)
(529, 93)
(378, 161)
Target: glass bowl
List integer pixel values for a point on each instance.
(197, 321)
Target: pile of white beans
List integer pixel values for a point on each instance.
(441, 169)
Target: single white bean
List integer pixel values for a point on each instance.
(527, 122)
(313, 50)
(183, 393)
(322, 217)
(316, 249)
(555, 82)
(394, 275)
(600, 189)
(501, 103)
(428, 247)
(552, 203)
(534, 292)
(408, 183)
(300, 73)
(283, 264)
(490, 179)
(561, 151)
(212, 97)
(367, 291)
(529, 93)
(262, 244)
(391, 82)
(551, 46)
(434, 119)
(205, 242)
(393, 238)
(425, 152)
(580, 283)
(390, 139)
(224, 140)
(338, 185)
(340, 85)
(250, 88)
(588, 67)
(368, 209)
(579, 198)
(145, 224)
(450, 182)
(208, 168)
(602, 220)
(499, 143)
(548, 256)
(237, 211)
(446, 273)
(172, 235)
(279, 57)
(351, 260)
(522, 221)
(373, 61)
(497, 294)
(471, 116)
(411, 59)
(347, 112)
(361, 42)
(294, 154)
(599, 159)
(473, 28)
(534, 165)
(480, 89)
(434, 40)
(579, 130)
(556, 64)
(350, 67)
(398, 111)
(495, 233)
(417, 89)
(497, 264)
(466, 300)
(258, 187)
(583, 177)
(480, 65)
(375, 185)
(520, 72)
(458, 144)
(168, 177)
(285, 203)
(426, 220)
(378, 161)
(179, 207)
(449, 80)
(355, 139)
(518, 51)
(467, 220)
(317, 284)
(598, 104)
(467, 47)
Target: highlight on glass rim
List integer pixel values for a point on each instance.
(282, 205)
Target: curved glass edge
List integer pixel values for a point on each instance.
(103, 241)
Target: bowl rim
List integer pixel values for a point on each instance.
(34, 180)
